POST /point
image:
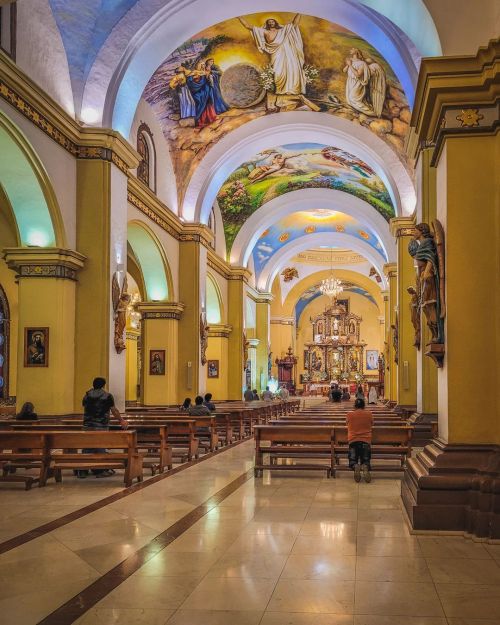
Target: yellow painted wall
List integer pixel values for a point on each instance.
(218, 350)
(160, 334)
(131, 367)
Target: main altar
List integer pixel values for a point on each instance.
(336, 351)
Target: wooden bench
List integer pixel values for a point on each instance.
(293, 441)
(387, 442)
(26, 450)
(125, 455)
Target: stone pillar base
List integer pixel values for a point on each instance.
(454, 488)
(425, 428)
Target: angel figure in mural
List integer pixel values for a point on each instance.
(284, 46)
(121, 300)
(366, 84)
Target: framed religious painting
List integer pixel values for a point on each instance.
(371, 359)
(213, 368)
(36, 347)
(156, 362)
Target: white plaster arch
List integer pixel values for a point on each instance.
(303, 200)
(146, 35)
(295, 127)
(275, 264)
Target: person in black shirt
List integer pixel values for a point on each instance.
(27, 413)
(97, 406)
(199, 409)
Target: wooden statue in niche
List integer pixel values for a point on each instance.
(415, 314)
(203, 338)
(427, 248)
(121, 300)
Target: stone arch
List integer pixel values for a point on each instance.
(152, 261)
(213, 301)
(28, 189)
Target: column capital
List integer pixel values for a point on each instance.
(283, 321)
(219, 329)
(47, 262)
(160, 310)
(253, 343)
(239, 273)
(198, 233)
(390, 270)
(402, 227)
(259, 297)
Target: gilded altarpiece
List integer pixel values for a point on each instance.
(336, 351)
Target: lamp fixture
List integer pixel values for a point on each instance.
(331, 286)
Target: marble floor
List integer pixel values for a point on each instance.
(212, 545)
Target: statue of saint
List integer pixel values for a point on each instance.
(415, 314)
(121, 300)
(430, 277)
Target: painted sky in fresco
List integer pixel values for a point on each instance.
(304, 223)
(287, 168)
(197, 106)
(313, 292)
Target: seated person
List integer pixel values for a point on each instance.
(209, 403)
(267, 395)
(199, 409)
(186, 405)
(255, 395)
(359, 437)
(346, 396)
(248, 396)
(372, 395)
(27, 413)
(336, 394)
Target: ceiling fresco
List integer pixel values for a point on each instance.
(244, 68)
(302, 223)
(313, 292)
(286, 168)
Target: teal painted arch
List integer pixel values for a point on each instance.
(28, 190)
(152, 261)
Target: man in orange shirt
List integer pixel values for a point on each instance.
(359, 437)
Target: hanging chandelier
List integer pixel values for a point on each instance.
(331, 286)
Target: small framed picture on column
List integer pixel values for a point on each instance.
(36, 347)
(213, 368)
(156, 362)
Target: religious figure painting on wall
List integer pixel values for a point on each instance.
(263, 63)
(371, 359)
(156, 362)
(213, 368)
(36, 347)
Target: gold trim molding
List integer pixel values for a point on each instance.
(161, 310)
(51, 262)
(219, 330)
(390, 270)
(402, 227)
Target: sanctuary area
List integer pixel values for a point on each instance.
(239, 381)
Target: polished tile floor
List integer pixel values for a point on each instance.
(294, 550)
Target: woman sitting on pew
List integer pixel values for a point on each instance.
(186, 405)
(27, 413)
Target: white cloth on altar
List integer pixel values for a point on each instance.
(287, 58)
(358, 77)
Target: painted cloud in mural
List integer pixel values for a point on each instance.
(243, 68)
(304, 223)
(292, 167)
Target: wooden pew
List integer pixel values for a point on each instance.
(205, 426)
(27, 450)
(62, 446)
(293, 441)
(387, 442)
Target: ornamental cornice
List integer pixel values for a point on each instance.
(402, 227)
(198, 233)
(219, 330)
(161, 310)
(456, 96)
(390, 270)
(51, 262)
(283, 321)
(259, 297)
(146, 202)
(18, 90)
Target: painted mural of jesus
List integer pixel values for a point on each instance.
(284, 46)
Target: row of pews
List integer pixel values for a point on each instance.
(316, 439)
(157, 436)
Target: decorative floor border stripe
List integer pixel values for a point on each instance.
(81, 603)
(36, 532)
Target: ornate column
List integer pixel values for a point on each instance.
(218, 352)
(160, 349)
(101, 234)
(454, 483)
(253, 344)
(236, 302)
(387, 347)
(132, 381)
(194, 243)
(46, 336)
(391, 271)
(403, 229)
(263, 306)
